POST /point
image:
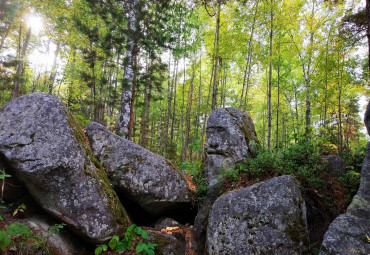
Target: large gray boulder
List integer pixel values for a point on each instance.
(148, 179)
(230, 138)
(349, 232)
(46, 149)
(265, 218)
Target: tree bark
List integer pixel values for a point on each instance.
(53, 72)
(247, 71)
(217, 59)
(15, 90)
(125, 120)
(269, 114)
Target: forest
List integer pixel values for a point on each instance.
(154, 72)
(161, 67)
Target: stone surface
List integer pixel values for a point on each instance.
(335, 164)
(150, 180)
(167, 244)
(46, 149)
(367, 118)
(230, 138)
(347, 234)
(265, 218)
(62, 243)
(166, 222)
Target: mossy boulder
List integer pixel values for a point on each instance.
(45, 147)
(349, 232)
(265, 218)
(146, 178)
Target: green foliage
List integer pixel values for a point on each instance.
(196, 171)
(19, 235)
(300, 159)
(133, 233)
(21, 208)
(56, 228)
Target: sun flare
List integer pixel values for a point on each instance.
(34, 22)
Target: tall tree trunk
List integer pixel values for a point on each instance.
(247, 70)
(296, 107)
(133, 91)
(174, 105)
(5, 35)
(269, 113)
(53, 72)
(217, 58)
(169, 102)
(197, 124)
(70, 85)
(183, 142)
(125, 120)
(368, 29)
(145, 112)
(22, 56)
(278, 100)
(188, 111)
(340, 133)
(326, 79)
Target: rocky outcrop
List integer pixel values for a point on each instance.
(265, 218)
(153, 182)
(349, 232)
(335, 165)
(230, 138)
(46, 149)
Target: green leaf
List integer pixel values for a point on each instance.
(140, 247)
(122, 246)
(113, 242)
(98, 250)
(144, 234)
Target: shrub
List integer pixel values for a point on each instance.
(132, 234)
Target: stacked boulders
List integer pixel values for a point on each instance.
(42, 145)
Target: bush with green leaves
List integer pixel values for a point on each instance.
(18, 235)
(196, 171)
(300, 159)
(132, 233)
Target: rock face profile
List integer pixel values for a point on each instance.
(46, 149)
(230, 138)
(148, 179)
(265, 218)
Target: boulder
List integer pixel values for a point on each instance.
(265, 218)
(349, 232)
(148, 179)
(230, 138)
(166, 222)
(46, 149)
(61, 243)
(335, 165)
(167, 244)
